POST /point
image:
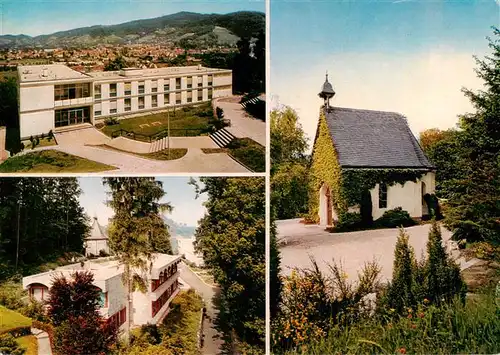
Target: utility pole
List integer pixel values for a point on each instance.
(168, 123)
(18, 225)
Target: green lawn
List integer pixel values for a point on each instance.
(29, 343)
(10, 319)
(183, 119)
(51, 161)
(249, 153)
(245, 150)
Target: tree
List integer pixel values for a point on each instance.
(137, 229)
(275, 285)
(442, 275)
(288, 141)
(401, 289)
(74, 310)
(475, 196)
(231, 239)
(442, 149)
(289, 172)
(117, 64)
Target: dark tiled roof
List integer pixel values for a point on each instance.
(374, 139)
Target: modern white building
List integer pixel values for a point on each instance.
(53, 97)
(149, 307)
(97, 240)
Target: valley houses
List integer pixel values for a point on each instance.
(149, 307)
(52, 97)
(369, 145)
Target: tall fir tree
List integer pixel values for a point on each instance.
(474, 199)
(137, 229)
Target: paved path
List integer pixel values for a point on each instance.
(212, 342)
(195, 161)
(242, 125)
(298, 242)
(43, 341)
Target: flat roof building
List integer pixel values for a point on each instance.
(53, 97)
(149, 307)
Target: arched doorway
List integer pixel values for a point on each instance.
(325, 206)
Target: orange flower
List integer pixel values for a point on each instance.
(409, 316)
(421, 315)
(413, 326)
(426, 300)
(402, 351)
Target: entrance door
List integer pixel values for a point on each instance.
(328, 196)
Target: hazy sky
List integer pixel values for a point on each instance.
(411, 57)
(35, 17)
(181, 196)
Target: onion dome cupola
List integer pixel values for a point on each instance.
(327, 92)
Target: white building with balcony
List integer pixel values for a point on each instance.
(149, 307)
(53, 97)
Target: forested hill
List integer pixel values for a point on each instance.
(185, 29)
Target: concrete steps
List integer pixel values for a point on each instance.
(222, 137)
(251, 101)
(160, 144)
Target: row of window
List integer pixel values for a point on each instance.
(154, 101)
(154, 86)
(71, 91)
(160, 302)
(164, 276)
(119, 318)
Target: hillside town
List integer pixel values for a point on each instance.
(96, 58)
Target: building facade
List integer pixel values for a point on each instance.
(149, 307)
(366, 153)
(53, 97)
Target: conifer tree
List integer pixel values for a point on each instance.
(442, 276)
(137, 229)
(474, 205)
(401, 291)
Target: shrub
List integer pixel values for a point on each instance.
(433, 206)
(19, 331)
(312, 303)
(8, 345)
(366, 208)
(110, 121)
(84, 335)
(396, 217)
(219, 113)
(484, 250)
(349, 221)
(11, 294)
(50, 135)
(468, 230)
(456, 328)
(35, 311)
(102, 253)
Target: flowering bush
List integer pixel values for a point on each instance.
(312, 303)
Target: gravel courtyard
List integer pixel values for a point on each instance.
(299, 242)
